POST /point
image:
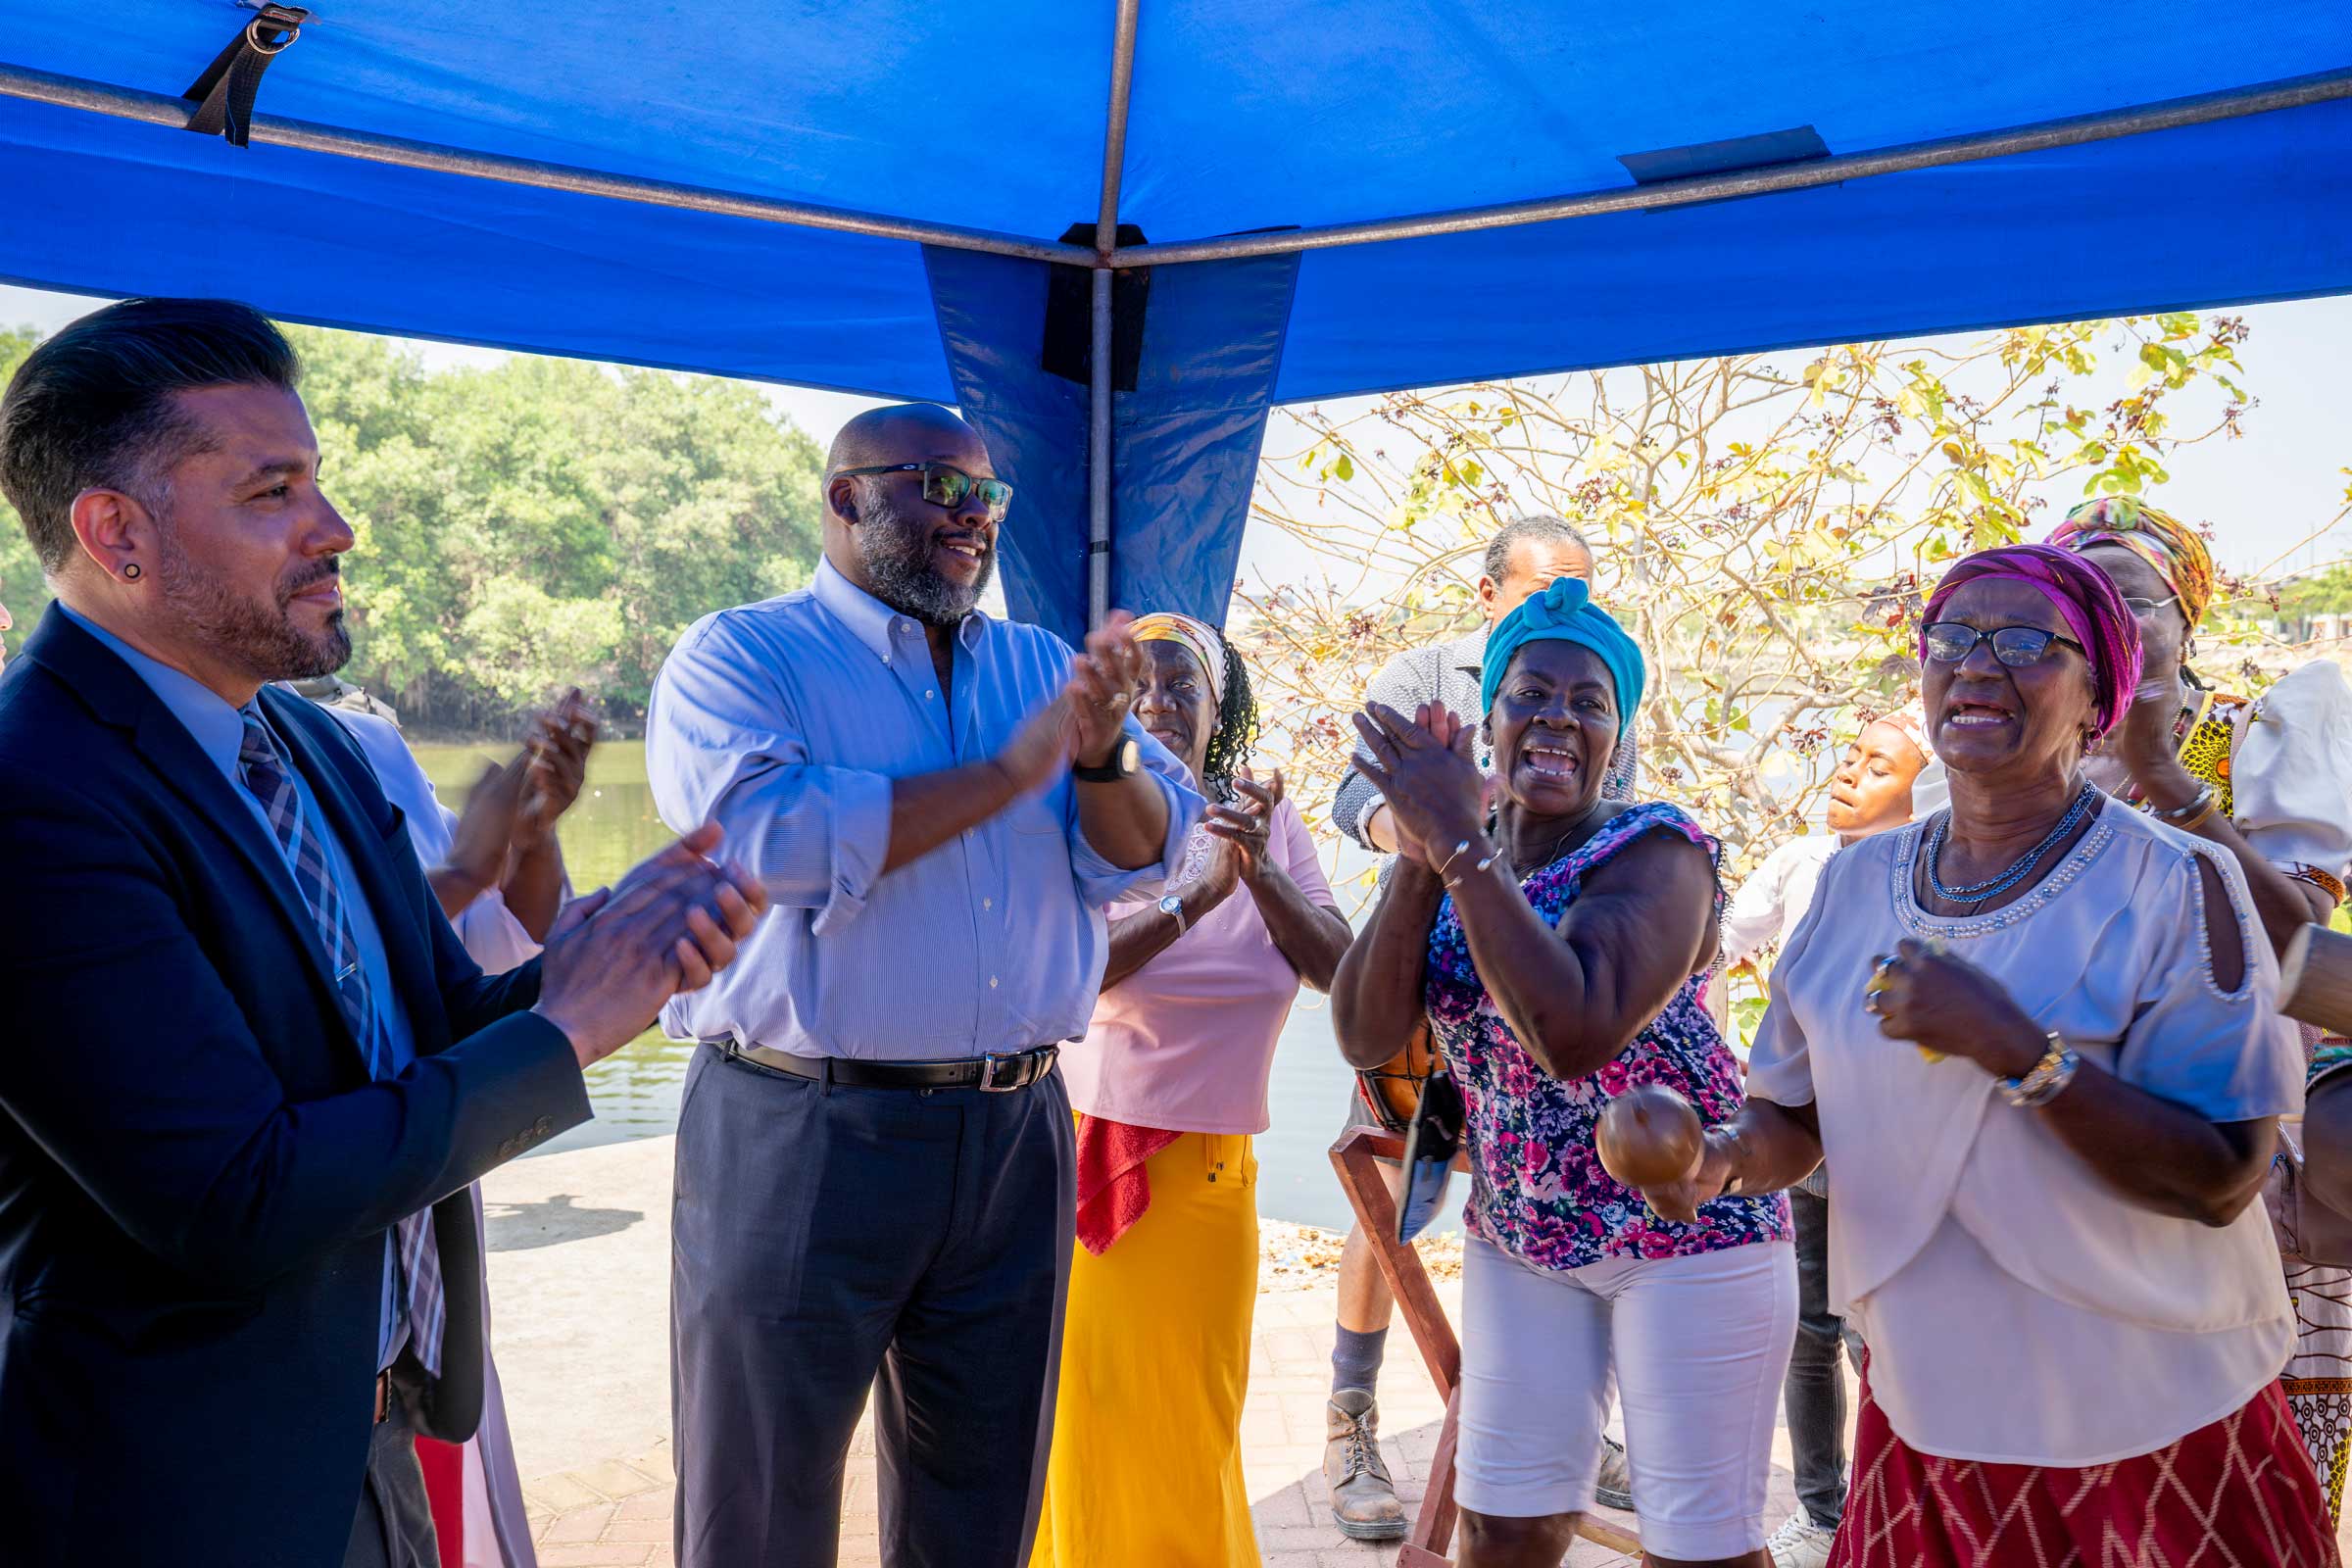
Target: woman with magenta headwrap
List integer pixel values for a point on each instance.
(2035, 1036)
(1554, 945)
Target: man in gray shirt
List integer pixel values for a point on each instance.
(1522, 558)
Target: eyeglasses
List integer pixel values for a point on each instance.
(943, 486)
(2149, 607)
(1948, 642)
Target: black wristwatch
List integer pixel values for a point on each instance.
(1125, 760)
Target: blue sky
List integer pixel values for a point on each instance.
(2263, 494)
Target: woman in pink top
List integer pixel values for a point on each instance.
(1170, 1086)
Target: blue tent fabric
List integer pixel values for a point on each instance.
(990, 115)
(1184, 440)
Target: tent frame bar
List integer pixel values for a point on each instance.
(2172, 115)
(155, 109)
(1099, 360)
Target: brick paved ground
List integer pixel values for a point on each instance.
(618, 1513)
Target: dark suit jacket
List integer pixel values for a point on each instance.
(196, 1173)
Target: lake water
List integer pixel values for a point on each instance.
(635, 1091)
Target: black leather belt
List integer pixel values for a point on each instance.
(992, 1074)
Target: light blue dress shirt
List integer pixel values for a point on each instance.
(218, 730)
(785, 721)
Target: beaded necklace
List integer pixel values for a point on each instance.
(1979, 892)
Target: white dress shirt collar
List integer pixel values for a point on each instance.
(873, 622)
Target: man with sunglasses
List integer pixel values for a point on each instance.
(875, 1177)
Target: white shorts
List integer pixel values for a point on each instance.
(1698, 1346)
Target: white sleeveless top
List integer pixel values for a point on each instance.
(2017, 1310)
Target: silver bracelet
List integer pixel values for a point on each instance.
(2046, 1081)
(2192, 810)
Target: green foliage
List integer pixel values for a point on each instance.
(20, 587)
(2322, 593)
(534, 525)
(1768, 528)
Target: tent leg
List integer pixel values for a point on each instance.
(1098, 460)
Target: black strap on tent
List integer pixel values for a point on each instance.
(223, 94)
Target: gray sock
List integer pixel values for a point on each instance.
(1355, 1360)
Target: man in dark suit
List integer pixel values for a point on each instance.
(249, 1070)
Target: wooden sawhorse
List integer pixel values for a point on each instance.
(1362, 1157)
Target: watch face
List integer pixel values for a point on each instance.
(1171, 905)
(1131, 756)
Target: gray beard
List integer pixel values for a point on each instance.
(268, 645)
(896, 556)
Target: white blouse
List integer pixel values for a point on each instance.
(2017, 1308)
(2290, 770)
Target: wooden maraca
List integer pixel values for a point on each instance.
(1648, 1137)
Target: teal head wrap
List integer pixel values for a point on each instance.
(1565, 611)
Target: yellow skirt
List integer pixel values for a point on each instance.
(1146, 1465)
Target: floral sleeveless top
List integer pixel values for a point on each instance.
(1537, 1189)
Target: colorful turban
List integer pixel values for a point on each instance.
(2091, 605)
(1565, 611)
(2179, 556)
(1198, 635)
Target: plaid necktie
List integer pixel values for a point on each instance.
(416, 1282)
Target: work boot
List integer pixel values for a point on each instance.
(1614, 1487)
(1363, 1499)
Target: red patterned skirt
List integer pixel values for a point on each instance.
(2238, 1494)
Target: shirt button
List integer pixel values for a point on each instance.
(992, 981)
(987, 903)
(928, 696)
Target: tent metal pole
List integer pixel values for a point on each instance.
(155, 109)
(1098, 458)
(2172, 115)
(1106, 238)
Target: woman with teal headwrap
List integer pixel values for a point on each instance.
(1553, 944)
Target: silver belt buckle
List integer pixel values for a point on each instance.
(990, 1061)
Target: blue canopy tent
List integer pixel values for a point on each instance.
(1117, 232)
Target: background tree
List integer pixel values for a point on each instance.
(1766, 527)
(532, 525)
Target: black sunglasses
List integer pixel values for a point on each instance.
(943, 486)
(1948, 642)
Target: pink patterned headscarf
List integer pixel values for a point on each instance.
(2092, 609)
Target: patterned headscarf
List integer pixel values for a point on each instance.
(1565, 611)
(2158, 538)
(1913, 722)
(1200, 636)
(2092, 607)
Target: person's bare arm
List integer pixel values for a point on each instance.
(1376, 993)
(1576, 994)
(2161, 1154)
(1138, 938)
(1309, 936)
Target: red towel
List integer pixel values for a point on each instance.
(1114, 1189)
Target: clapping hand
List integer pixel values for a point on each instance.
(1101, 688)
(1422, 768)
(667, 926)
(1245, 824)
(555, 768)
